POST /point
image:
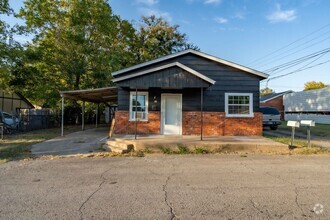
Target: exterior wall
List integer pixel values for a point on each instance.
(227, 79)
(124, 126)
(9, 102)
(214, 124)
(276, 103)
(318, 118)
(308, 101)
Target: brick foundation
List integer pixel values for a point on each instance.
(124, 126)
(214, 124)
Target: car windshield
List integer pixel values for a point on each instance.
(270, 111)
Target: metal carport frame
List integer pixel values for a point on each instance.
(97, 96)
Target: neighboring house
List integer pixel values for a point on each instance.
(187, 93)
(274, 100)
(11, 102)
(310, 105)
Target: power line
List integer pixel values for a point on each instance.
(299, 70)
(294, 51)
(295, 62)
(305, 36)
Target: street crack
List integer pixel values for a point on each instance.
(93, 193)
(172, 214)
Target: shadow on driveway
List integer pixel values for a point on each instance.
(80, 142)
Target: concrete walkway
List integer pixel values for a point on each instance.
(80, 142)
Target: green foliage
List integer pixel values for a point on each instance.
(78, 43)
(183, 150)
(266, 91)
(156, 37)
(166, 150)
(200, 150)
(314, 85)
(9, 49)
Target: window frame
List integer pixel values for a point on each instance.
(251, 114)
(132, 93)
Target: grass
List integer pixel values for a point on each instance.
(300, 146)
(319, 129)
(18, 146)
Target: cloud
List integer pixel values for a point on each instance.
(147, 2)
(282, 15)
(148, 12)
(221, 20)
(212, 1)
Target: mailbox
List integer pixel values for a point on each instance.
(309, 123)
(293, 124)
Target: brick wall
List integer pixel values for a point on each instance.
(276, 103)
(214, 124)
(124, 126)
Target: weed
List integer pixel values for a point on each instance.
(148, 150)
(183, 150)
(200, 150)
(166, 150)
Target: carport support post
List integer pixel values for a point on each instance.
(136, 95)
(96, 114)
(83, 117)
(201, 114)
(62, 118)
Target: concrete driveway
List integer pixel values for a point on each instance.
(167, 187)
(80, 142)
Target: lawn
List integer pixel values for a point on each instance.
(300, 145)
(17, 146)
(319, 129)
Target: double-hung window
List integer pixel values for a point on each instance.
(239, 104)
(138, 107)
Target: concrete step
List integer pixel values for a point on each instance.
(118, 147)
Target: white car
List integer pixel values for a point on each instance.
(10, 121)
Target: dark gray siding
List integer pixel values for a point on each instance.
(227, 79)
(173, 77)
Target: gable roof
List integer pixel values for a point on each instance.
(180, 65)
(25, 99)
(198, 53)
(271, 96)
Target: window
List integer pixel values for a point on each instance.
(239, 104)
(139, 103)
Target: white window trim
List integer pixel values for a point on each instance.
(251, 114)
(131, 107)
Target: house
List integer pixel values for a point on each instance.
(274, 100)
(188, 93)
(11, 102)
(308, 105)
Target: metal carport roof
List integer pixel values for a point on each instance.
(99, 95)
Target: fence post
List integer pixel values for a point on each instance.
(62, 119)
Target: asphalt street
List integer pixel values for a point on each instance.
(167, 187)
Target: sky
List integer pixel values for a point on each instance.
(260, 34)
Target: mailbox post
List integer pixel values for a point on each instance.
(294, 125)
(308, 124)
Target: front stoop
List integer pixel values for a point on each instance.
(116, 146)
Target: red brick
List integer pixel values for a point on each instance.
(214, 124)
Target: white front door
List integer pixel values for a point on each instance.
(171, 114)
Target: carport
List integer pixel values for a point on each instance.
(96, 96)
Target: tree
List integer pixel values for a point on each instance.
(155, 37)
(266, 91)
(77, 45)
(9, 49)
(314, 85)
